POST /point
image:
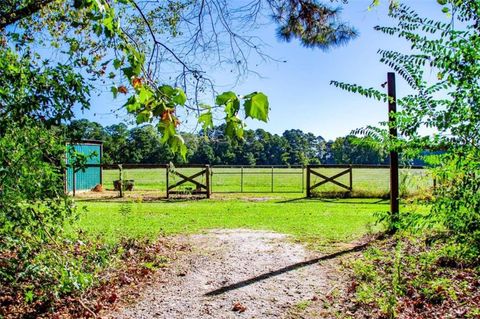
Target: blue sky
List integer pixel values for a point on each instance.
(299, 90)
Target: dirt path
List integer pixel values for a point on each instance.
(234, 274)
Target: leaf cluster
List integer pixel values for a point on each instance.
(449, 107)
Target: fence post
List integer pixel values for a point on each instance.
(392, 109)
(74, 188)
(241, 179)
(308, 182)
(207, 169)
(303, 178)
(166, 180)
(120, 178)
(272, 179)
(351, 178)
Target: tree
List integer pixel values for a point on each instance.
(115, 147)
(84, 129)
(123, 41)
(301, 147)
(356, 150)
(41, 92)
(204, 153)
(449, 105)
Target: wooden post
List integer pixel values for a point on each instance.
(308, 182)
(351, 178)
(120, 178)
(166, 180)
(74, 188)
(241, 179)
(303, 178)
(101, 165)
(394, 187)
(207, 180)
(272, 180)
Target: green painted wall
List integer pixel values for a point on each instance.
(88, 177)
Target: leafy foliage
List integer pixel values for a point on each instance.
(94, 38)
(33, 210)
(46, 93)
(31, 180)
(404, 277)
(449, 107)
(316, 25)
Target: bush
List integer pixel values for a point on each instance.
(33, 211)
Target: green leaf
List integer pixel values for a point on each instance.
(180, 98)
(132, 106)
(257, 106)
(177, 144)
(234, 128)
(167, 90)
(223, 98)
(144, 95)
(117, 63)
(168, 130)
(232, 107)
(206, 120)
(128, 72)
(144, 116)
(114, 91)
(29, 296)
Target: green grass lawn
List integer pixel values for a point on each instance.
(317, 222)
(366, 182)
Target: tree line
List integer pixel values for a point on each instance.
(142, 144)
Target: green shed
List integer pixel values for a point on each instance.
(86, 178)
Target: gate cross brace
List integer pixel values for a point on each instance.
(188, 179)
(331, 179)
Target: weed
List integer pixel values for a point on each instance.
(302, 305)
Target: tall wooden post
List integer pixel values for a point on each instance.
(207, 170)
(167, 183)
(272, 181)
(392, 109)
(120, 178)
(303, 178)
(241, 179)
(309, 194)
(351, 178)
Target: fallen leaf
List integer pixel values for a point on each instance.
(238, 307)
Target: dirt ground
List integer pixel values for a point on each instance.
(235, 274)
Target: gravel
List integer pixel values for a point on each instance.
(233, 274)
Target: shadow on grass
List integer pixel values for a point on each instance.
(337, 200)
(117, 199)
(283, 270)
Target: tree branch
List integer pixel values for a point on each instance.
(9, 17)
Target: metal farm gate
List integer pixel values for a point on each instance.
(257, 179)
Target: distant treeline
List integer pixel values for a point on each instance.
(259, 147)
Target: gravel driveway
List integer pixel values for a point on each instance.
(234, 274)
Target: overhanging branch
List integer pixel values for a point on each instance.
(10, 17)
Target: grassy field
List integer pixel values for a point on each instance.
(366, 182)
(317, 222)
